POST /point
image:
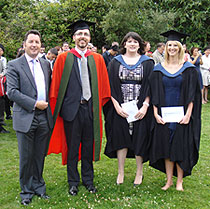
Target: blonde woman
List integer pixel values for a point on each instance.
(175, 83)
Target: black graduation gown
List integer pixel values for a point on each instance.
(185, 143)
(117, 127)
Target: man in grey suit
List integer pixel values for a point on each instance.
(28, 80)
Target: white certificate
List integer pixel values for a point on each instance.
(131, 109)
(172, 114)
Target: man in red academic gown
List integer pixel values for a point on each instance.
(79, 89)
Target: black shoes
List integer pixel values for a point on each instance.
(3, 130)
(8, 117)
(73, 190)
(91, 188)
(26, 201)
(44, 196)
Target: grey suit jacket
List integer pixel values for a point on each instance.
(21, 89)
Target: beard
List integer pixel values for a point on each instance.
(82, 43)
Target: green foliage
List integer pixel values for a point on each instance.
(192, 17)
(113, 20)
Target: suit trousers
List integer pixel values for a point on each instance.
(80, 130)
(32, 149)
(1, 110)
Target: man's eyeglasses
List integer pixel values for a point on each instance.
(82, 34)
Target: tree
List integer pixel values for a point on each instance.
(142, 17)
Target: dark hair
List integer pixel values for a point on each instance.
(54, 51)
(160, 45)
(2, 47)
(20, 53)
(192, 50)
(135, 36)
(206, 48)
(115, 48)
(106, 47)
(42, 45)
(35, 32)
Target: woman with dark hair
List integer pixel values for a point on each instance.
(128, 74)
(175, 88)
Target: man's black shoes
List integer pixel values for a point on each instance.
(91, 188)
(73, 190)
(44, 196)
(25, 201)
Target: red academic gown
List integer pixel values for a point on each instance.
(58, 138)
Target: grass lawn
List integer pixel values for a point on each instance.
(149, 195)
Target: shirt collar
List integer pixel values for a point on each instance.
(28, 58)
(79, 51)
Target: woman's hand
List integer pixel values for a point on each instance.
(118, 108)
(159, 119)
(121, 112)
(142, 112)
(185, 119)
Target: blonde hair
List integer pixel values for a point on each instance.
(180, 55)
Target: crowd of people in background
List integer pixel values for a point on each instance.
(130, 72)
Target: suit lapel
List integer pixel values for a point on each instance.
(27, 71)
(76, 67)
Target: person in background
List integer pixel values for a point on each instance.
(115, 43)
(42, 51)
(51, 56)
(158, 55)
(65, 46)
(196, 60)
(59, 49)
(186, 53)
(205, 71)
(110, 54)
(147, 49)
(128, 75)
(2, 101)
(7, 102)
(76, 103)
(20, 53)
(28, 80)
(3, 59)
(105, 48)
(175, 84)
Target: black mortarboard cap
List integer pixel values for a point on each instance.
(2, 47)
(80, 25)
(173, 35)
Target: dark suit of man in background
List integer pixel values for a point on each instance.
(28, 81)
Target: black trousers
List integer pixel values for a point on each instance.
(8, 104)
(1, 111)
(32, 149)
(80, 130)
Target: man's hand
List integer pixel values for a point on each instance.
(42, 105)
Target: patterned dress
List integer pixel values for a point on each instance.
(131, 80)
